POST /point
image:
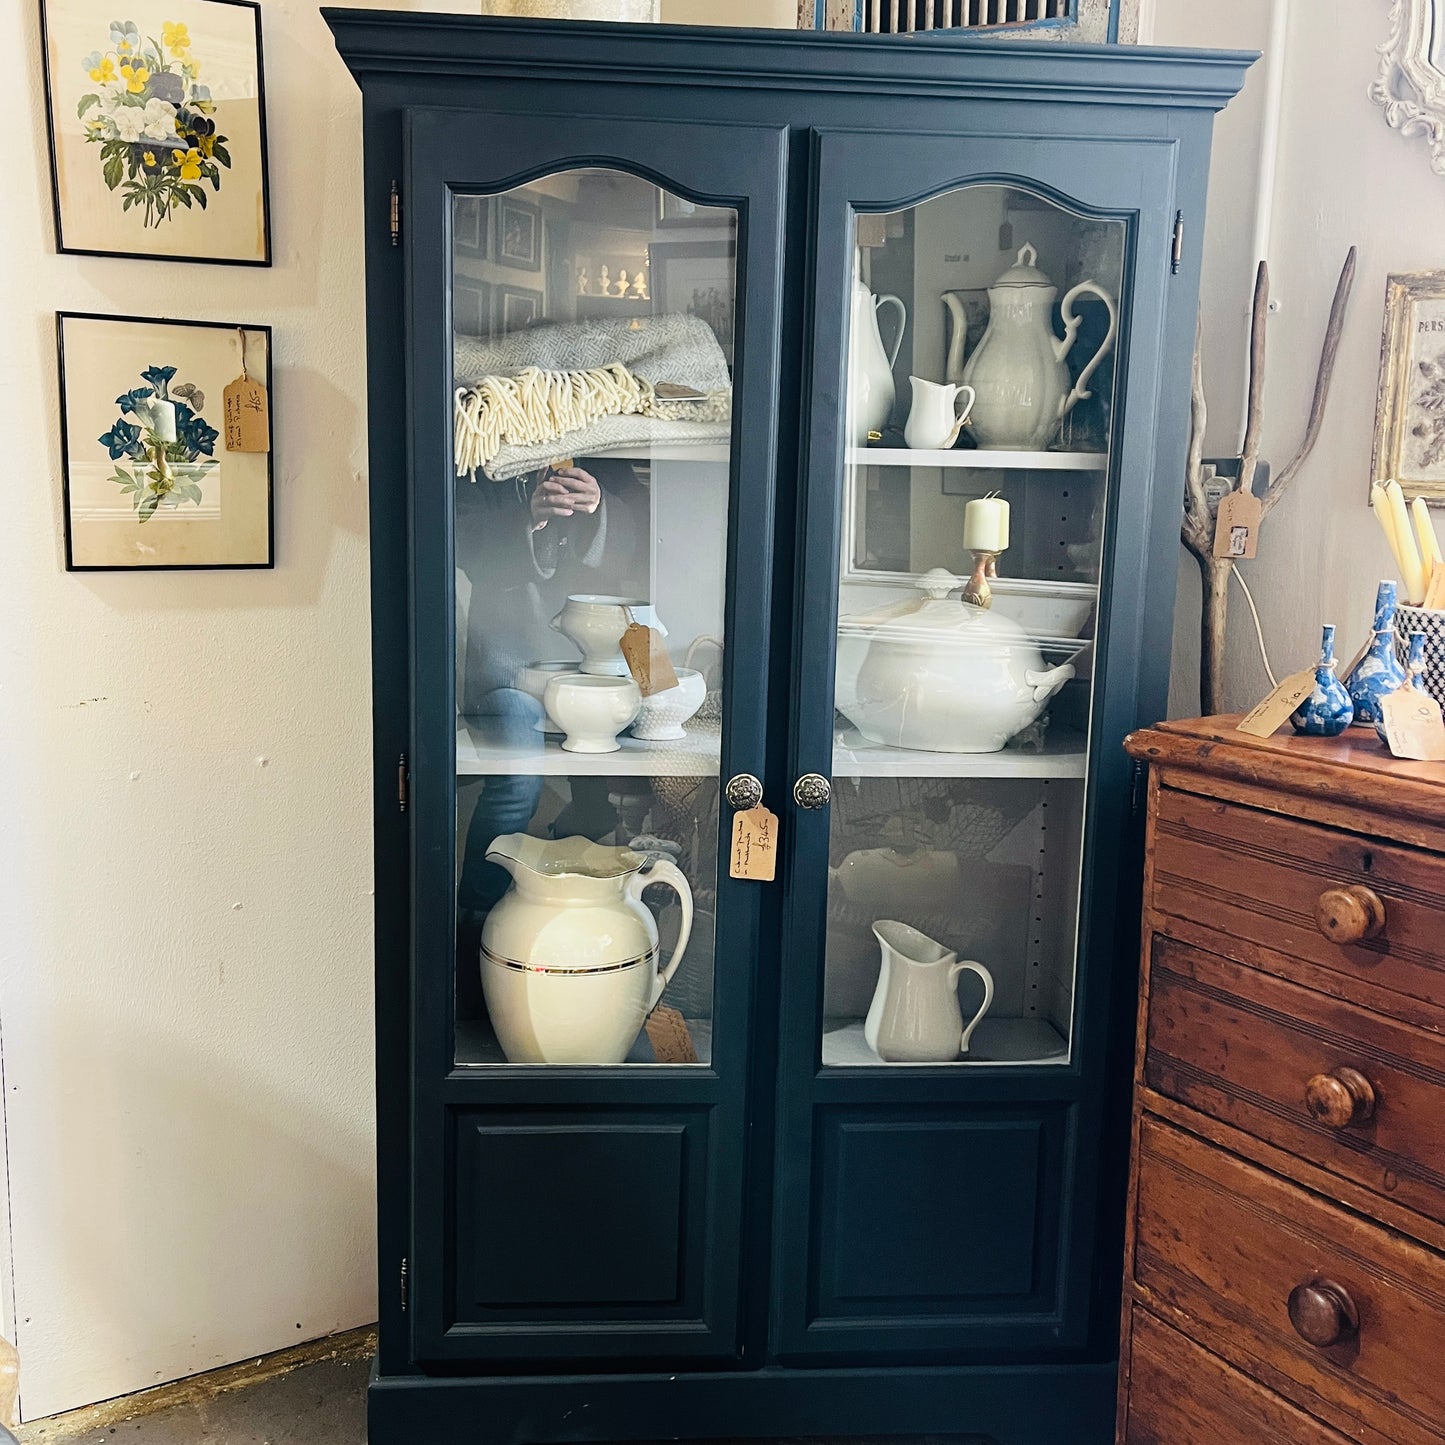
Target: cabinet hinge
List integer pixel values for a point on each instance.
(1136, 788)
(403, 1284)
(403, 792)
(1176, 246)
(395, 214)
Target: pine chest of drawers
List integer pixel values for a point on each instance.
(1284, 1276)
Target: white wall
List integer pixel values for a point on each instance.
(1342, 177)
(185, 907)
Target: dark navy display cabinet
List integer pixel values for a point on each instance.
(669, 329)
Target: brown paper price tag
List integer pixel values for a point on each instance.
(1236, 525)
(647, 659)
(1265, 719)
(1347, 671)
(1413, 725)
(247, 416)
(755, 845)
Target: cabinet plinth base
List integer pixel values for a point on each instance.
(1009, 1404)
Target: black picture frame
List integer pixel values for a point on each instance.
(71, 565)
(472, 225)
(519, 234)
(509, 305)
(57, 209)
(471, 307)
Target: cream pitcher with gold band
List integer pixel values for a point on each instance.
(570, 953)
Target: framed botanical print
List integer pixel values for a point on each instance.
(471, 223)
(471, 307)
(519, 234)
(167, 463)
(1410, 407)
(157, 127)
(517, 307)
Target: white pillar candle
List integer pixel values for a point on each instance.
(163, 420)
(985, 525)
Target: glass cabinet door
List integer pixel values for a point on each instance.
(980, 447)
(593, 369)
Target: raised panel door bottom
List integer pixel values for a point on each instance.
(577, 1233)
(940, 1221)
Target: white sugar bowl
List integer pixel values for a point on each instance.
(533, 680)
(591, 711)
(663, 714)
(594, 624)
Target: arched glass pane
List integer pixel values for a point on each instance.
(980, 413)
(593, 339)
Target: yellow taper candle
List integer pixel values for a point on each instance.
(1425, 531)
(1414, 573)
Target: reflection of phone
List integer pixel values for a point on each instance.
(550, 470)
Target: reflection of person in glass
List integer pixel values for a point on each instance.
(524, 546)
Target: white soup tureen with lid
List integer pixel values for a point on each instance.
(940, 675)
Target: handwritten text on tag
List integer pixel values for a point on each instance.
(1265, 719)
(755, 845)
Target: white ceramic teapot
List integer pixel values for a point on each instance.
(942, 676)
(1018, 370)
(915, 1016)
(871, 392)
(569, 954)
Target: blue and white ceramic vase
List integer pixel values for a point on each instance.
(1327, 711)
(1415, 667)
(1378, 672)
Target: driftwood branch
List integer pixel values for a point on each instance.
(1254, 408)
(1197, 526)
(1323, 376)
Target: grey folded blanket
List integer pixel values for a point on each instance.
(673, 347)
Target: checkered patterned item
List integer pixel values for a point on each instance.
(1432, 623)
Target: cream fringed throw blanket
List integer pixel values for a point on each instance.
(574, 390)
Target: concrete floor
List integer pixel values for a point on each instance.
(322, 1403)
(319, 1404)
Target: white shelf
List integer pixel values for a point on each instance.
(477, 1046)
(1065, 755)
(994, 1041)
(668, 452)
(981, 459)
(481, 752)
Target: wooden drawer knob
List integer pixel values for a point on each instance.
(1322, 1313)
(1340, 1099)
(1349, 914)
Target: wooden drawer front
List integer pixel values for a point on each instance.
(1180, 1394)
(1224, 1244)
(1241, 1045)
(1255, 879)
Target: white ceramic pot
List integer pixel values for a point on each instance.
(942, 676)
(533, 680)
(570, 952)
(594, 624)
(937, 414)
(662, 715)
(591, 711)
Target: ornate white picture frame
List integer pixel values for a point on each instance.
(1411, 83)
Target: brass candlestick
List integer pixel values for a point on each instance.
(976, 590)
